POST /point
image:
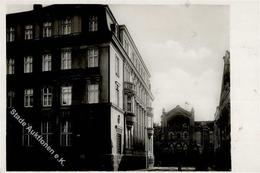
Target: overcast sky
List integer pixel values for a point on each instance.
(182, 47)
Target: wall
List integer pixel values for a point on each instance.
(117, 116)
(114, 78)
(104, 70)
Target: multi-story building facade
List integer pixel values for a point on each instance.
(204, 139)
(175, 136)
(180, 140)
(222, 128)
(76, 76)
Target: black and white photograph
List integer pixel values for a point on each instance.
(125, 87)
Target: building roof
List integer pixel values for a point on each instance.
(178, 111)
(40, 11)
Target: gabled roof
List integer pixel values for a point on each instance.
(178, 111)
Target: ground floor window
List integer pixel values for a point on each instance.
(65, 134)
(26, 138)
(46, 131)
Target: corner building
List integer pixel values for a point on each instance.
(77, 77)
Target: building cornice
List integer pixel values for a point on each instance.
(134, 46)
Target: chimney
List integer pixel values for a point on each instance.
(37, 7)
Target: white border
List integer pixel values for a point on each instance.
(245, 74)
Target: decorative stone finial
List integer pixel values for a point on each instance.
(192, 110)
(163, 110)
(226, 57)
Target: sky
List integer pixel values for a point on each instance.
(183, 48)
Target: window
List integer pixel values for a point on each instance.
(28, 32)
(171, 136)
(118, 142)
(28, 64)
(10, 66)
(46, 62)
(185, 135)
(117, 66)
(118, 119)
(178, 135)
(46, 97)
(93, 57)
(10, 34)
(127, 74)
(150, 122)
(211, 137)
(46, 131)
(10, 99)
(66, 26)
(65, 134)
(47, 29)
(28, 98)
(66, 95)
(114, 28)
(117, 93)
(93, 23)
(26, 138)
(66, 59)
(132, 56)
(93, 93)
(126, 46)
(129, 104)
(185, 125)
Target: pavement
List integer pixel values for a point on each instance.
(169, 169)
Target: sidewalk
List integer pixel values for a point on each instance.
(168, 169)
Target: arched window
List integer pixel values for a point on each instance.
(171, 136)
(178, 135)
(185, 135)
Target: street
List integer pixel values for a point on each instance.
(169, 169)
